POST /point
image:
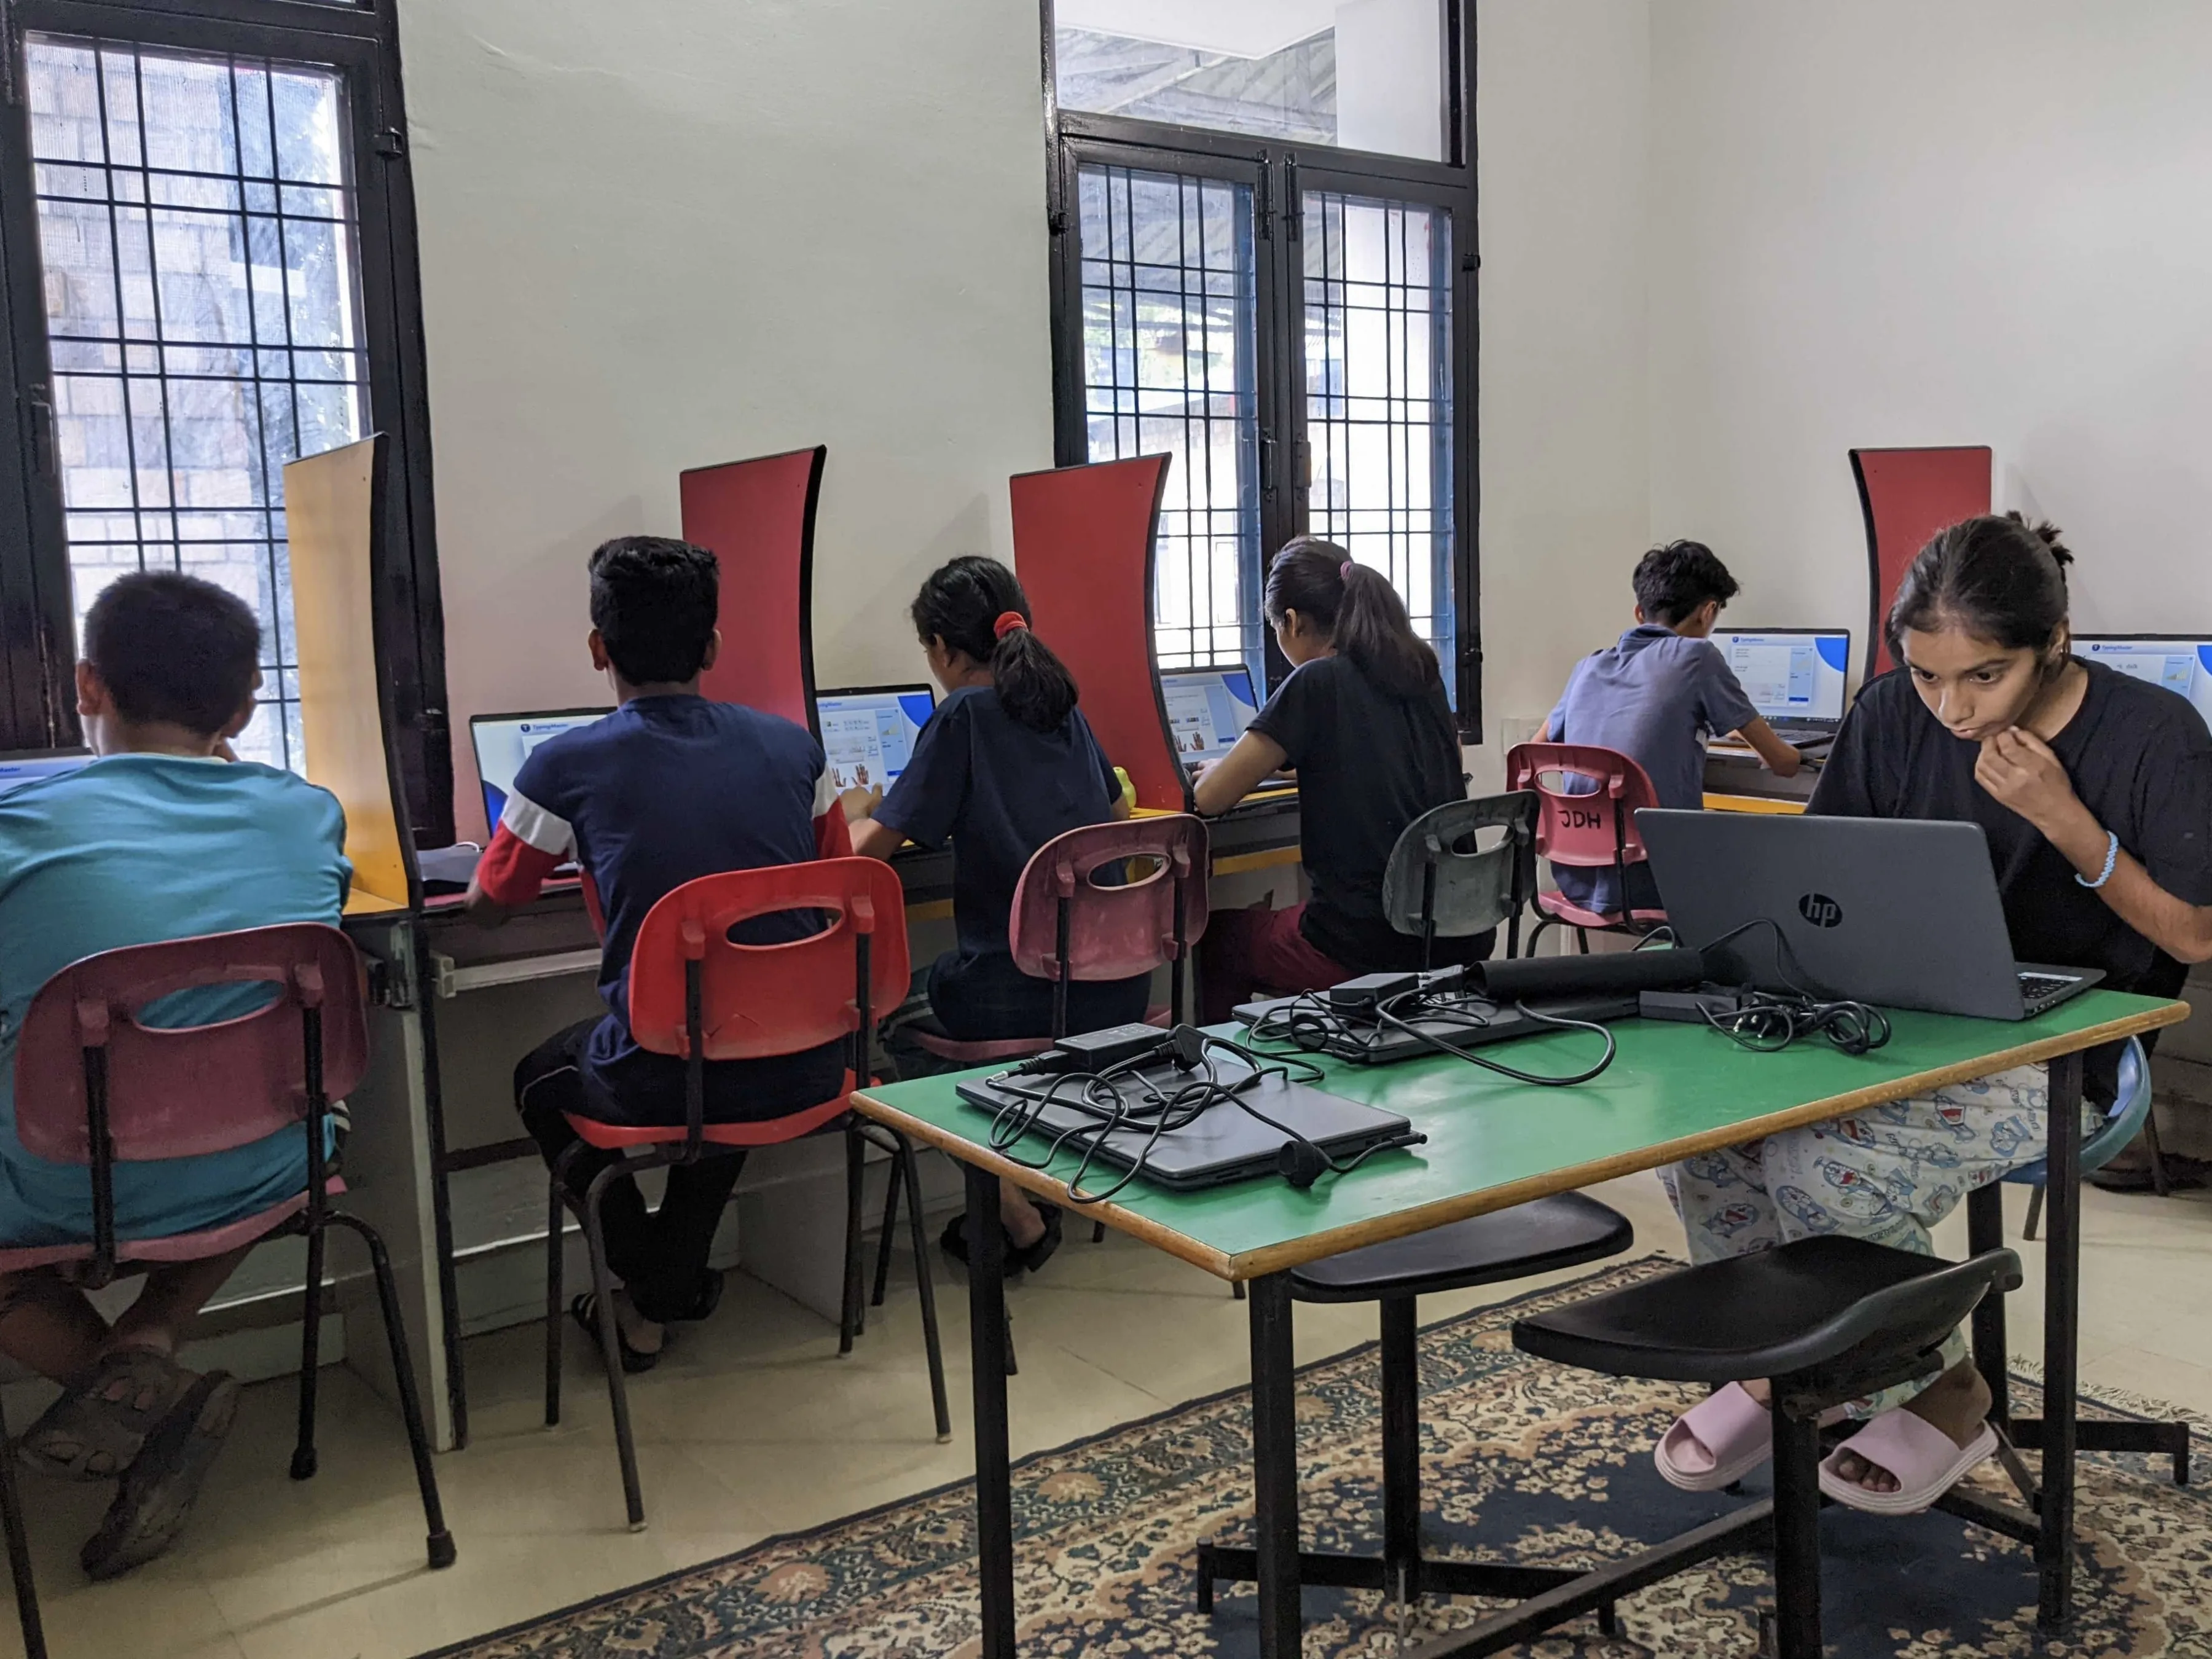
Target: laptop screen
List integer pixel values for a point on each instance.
(1793, 675)
(2179, 664)
(1208, 710)
(14, 774)
(503, 742)
(869, 733)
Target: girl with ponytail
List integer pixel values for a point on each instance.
(1006, 763)
(1363, 721)
(2094, 792)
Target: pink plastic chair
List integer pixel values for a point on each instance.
(1589, 829)
(748, 1002)
(1066, 927)
(95, 1088)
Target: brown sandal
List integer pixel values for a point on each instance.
(87, 1436)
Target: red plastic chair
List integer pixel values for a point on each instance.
(1066, 927)
(95, 1088)
(1590, 829)
(747, 1002)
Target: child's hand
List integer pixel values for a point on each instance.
(861, 803)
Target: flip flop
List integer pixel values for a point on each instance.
(1718, 1440)
(85, 1435)
(163, 1482)
(1925, 1462)
(954, 1242)
(585, 1310)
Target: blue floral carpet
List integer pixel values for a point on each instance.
(1519, 1458)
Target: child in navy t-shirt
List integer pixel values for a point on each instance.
(1006, 763)
(668, 789)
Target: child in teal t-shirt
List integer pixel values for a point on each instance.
(162, 836)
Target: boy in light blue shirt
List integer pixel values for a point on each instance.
(161, 836)
(1656, 696)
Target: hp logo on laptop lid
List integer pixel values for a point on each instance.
(1820, 910)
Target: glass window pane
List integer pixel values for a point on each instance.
(1168, 346)
(1358, 74)
(1379, 290)
(198, 241)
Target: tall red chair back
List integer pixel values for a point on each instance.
(1112, 931)
(189, 1090)
(1907, 495)
(1587, 828)
(756, 1000)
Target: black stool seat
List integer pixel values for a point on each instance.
(1829, 1304)
(1530, 1239)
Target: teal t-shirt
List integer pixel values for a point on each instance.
(131, 850)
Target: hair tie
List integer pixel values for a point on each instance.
(1344, 571)
(1008, 623)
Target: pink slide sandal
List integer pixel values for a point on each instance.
(1715, 1443)
(1926, 1463)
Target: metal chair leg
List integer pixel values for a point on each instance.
(1097, 1232)
(897, 1179)
(1797, 1537)
(555, 1290)
(1237, 1290)
(19, 1552)
(1536, 933)
(439, 1543)
(602, 1286)
(2151, 1143)
(2034, 1211)
(849, 1315)
(919, 1231)
(310, 1328)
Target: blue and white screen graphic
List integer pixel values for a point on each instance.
(502, 745)
(2181, 666)
(869, 736)
(14, 774)
(1791, 675)
(1208, 710)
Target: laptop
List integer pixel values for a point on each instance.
(1899, 912)
(2180, 662)
(1208, 710)
(868, 732)
(1794, 677)
(503, 742)
(17, 771)
(1225, 1143)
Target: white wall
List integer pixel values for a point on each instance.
(1561, 102)
(669, 233)
(1924, 222)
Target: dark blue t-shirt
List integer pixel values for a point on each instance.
(998, 790)
(661, 791)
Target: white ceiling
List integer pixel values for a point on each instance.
(1242, 28)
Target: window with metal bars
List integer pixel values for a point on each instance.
(1289, 317)
(208, 245)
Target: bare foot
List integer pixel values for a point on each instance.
(1957, 1402)
(640, 1333)
(1023, 1225)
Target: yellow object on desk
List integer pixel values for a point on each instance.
(1751, 804)
(1129, 791)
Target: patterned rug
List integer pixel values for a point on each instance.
(1519, 1458)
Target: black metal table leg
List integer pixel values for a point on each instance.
(1275, 1466)
(987, 1347)
(2061, 1291)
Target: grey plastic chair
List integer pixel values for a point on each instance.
(1433, 889)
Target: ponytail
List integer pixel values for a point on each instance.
(1358, 609)
(976, 607)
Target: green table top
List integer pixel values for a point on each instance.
(1674, 1089)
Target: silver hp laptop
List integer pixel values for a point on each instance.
(1897, 912)
(1224, 1143)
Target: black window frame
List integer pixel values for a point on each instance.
(1283, 170)
(361, 39)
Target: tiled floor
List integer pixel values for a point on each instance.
(754, 1426)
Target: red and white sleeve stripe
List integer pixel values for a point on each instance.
(530, 844)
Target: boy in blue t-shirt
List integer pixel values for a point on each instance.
(1656, 696)
(160, 837)
(668, 789)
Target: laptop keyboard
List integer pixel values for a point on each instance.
(2035, 988)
